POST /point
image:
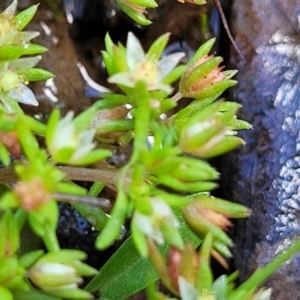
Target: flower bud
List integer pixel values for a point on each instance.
(158, 224)
(50, 275)
(135, 9)
(11, 142)
(59, 273)
(202, 221)
(14, 72)
(182, 263)
(67, 145)
(204, 76)
(32, 194)
(185, 272)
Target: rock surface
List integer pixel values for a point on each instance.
(265, 174)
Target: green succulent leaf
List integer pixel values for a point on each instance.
(28, 259)
(112, 230)
(202, 51)
(156, 49)
(145, 3)
(36, 74)
(205, 276)
(10, 52)
(44, 219)
(227, 144)
(134, 14)
(194, 107)
(5, 294)
(214, 89)
(199, 72)
(32, 49)
(174, 75)
(25, 16)
(4, 155)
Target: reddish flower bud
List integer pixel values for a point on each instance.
(173, 262)
(11, 142)
(32, 194)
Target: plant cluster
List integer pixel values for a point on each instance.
(164, 188)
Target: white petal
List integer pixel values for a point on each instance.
(85, 145)
(187, 291)
(87, 136)
(66, 121)
(81, 152)
(144, 224)
(262, 294)
(162, 209)
(64, 137)
(24, 95)
(6, 38)
(135, 53)
(64, 133)
(161, 87)
(24, 63)
(11, 10)
(122, 78)
(168, 63)
(56, 268)
(26, 36)
(3, 68)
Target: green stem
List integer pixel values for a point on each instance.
(72, 173)
(260, 275)
(114, 224)
(114, 126)
(20, 217)
(141, 118)
(96, 188)
(50, 240)
(36, 125)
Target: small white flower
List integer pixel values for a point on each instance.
(59, 273)
(69, 146)
(151, 224)
(11, 83)
(143, 68)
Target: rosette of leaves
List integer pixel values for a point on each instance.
(16, 60)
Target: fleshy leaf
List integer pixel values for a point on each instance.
(36, 74)
(25, 16)
(34, 49)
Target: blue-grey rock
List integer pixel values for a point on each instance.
(265, 174)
